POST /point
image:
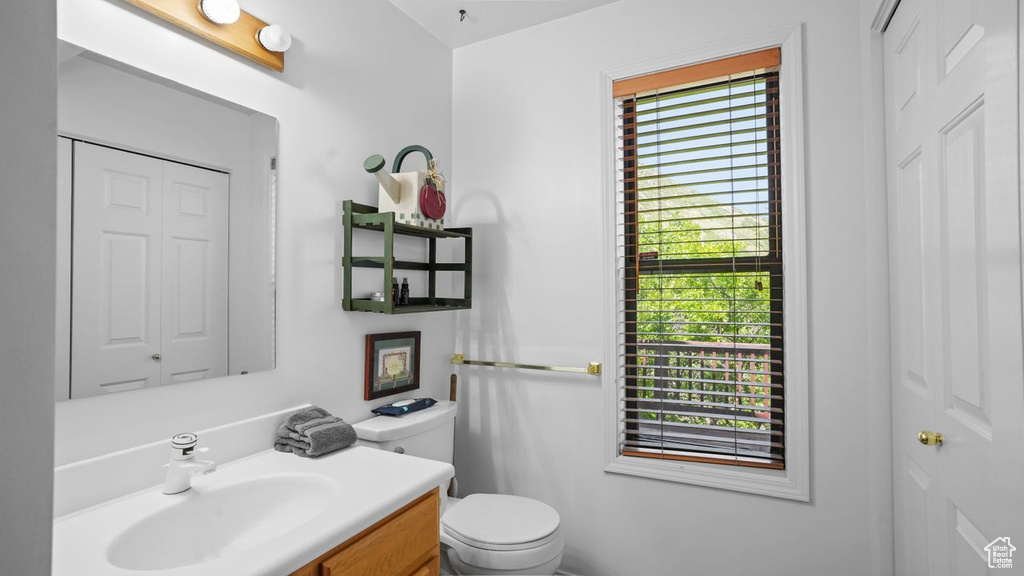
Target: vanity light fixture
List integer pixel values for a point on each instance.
(274, 38)
(220, 11)
(224, 23)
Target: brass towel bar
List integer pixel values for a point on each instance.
(593, 369)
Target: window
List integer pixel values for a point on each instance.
(702, 264)
(702, 390)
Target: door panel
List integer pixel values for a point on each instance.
(115, 271)
(912, 273)
(906, 62)
(965, 254)
(124, 283)
(960, 30)
(913, 489)
(955, 268)
(195, 328)
(967, 553)
(149, 272)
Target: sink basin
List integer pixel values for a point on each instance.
(267, 514)
(204, 524)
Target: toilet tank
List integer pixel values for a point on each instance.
(428, 433)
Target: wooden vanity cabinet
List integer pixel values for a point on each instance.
(405, 543)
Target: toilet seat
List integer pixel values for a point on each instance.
(501, 522)
(504, 547)
(502, 533)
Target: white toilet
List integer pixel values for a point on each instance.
(482, 533)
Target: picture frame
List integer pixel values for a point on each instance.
(392, 364)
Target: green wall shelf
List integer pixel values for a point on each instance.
(363, 217)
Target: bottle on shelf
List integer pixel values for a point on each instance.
(403, 299)
(394, 291)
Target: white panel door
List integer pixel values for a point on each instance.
(955, 272)
(115, 304)
(149, 272)
(195, 279)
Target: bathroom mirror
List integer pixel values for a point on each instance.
(166, 219)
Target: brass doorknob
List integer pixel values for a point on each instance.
(929, 438)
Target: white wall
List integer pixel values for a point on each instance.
(527, 166)
(28, 150)
(345, 94)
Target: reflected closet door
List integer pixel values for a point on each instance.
(115, 286)
(149, 272)
(194, 315)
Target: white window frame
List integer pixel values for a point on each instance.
(793, 482)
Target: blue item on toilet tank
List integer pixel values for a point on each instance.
(404, 407)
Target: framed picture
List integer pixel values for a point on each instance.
(392, 364)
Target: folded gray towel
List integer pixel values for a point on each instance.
(313, 432)
(287, 444)
(304, 415)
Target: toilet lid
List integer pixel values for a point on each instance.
(487, 520)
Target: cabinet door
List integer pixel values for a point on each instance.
(308, 570)
(429, 569)
(404, 544)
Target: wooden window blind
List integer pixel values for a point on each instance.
(700, 263)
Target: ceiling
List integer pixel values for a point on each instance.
(487, 18)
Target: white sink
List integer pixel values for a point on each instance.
(265, 515)
(205, 524)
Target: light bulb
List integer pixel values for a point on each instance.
(220, 11)
(275, 38)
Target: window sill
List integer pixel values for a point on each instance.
(773, 483)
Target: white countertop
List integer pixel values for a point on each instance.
(371, 485)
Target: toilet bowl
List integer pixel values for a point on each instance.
(481, 534)
(498, 534)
